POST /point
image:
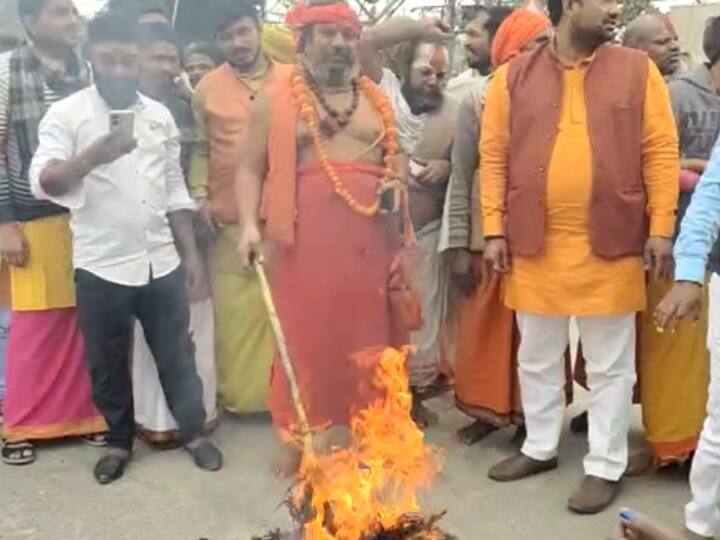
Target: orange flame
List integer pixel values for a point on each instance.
(371, 484)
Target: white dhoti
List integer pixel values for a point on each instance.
(152, 413)
(702, 515)
(425, 361)
(609, 350)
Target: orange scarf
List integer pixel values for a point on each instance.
(302, 15)
(515, 32)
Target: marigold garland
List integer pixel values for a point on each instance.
(389, 143)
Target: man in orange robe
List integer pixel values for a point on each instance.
(579, 185)
(323, 145)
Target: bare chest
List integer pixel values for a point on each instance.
(358, 140)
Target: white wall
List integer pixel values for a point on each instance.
(689, 23)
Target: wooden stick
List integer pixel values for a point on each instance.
(305, 432)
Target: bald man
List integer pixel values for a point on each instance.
(651, 33)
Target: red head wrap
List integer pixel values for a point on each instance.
(302, 15)
(515, 32)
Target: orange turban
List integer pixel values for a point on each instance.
(515, 32)
(302, 15)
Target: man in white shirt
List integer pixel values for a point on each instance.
(129, 208)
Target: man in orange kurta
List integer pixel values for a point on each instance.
(486, 386)
(579, 185)
(221, 106)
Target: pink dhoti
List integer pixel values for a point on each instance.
(48, 386)
(48, 392)
(330, 288)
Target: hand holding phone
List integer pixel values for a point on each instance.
(122, 124)
(118, 142)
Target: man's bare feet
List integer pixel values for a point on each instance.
(634, 526)
(475, 432)
(421, 415)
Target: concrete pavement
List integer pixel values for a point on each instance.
(163, 496)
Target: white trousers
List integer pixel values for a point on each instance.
(701, 515)
(609, 349)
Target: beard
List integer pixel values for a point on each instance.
(118, 93)
(422, 101)
(481, 64)
(245, 64)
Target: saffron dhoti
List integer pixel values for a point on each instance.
(330, 288)
(673, 364)
(486, 383)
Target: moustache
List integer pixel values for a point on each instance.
(340, 56)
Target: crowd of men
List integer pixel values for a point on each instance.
(142, 186)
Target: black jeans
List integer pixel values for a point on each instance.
(107, 313)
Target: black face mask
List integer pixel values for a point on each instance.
(118, 93)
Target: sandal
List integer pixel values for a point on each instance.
(18, 453)
(95, 439)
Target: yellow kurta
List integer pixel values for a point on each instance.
(568, 278)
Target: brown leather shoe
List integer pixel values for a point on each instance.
(594, 495)
(520, 466)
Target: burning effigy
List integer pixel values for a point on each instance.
(368, 489)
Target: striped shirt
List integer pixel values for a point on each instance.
(17, 202)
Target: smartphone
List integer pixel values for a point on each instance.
(122, 123)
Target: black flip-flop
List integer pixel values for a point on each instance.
(110, 467)
(18, 453)
(206, 456)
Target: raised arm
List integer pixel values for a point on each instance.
(393, 32)
(251, 172)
